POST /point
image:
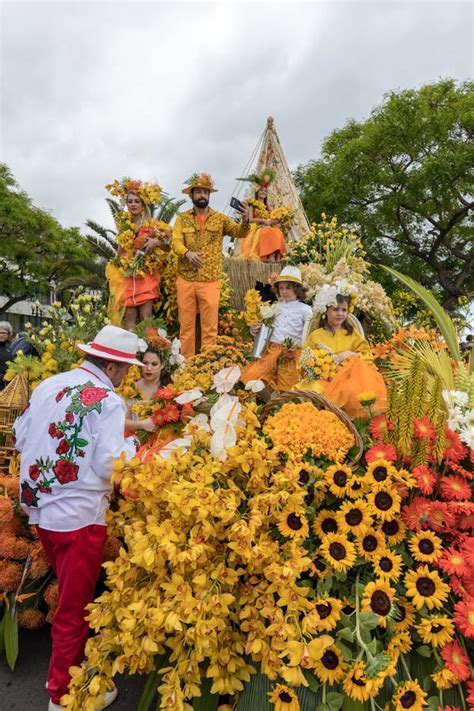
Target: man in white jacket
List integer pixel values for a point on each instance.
(68, 436)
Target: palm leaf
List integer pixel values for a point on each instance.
(434, 362)
(91, 281)
(101, 248)
(442, 318)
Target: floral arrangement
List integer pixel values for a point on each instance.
(132, 259)
(170, 353)
(384, 352)
(199, 371)
(284, 215)
(327, 296)
(318, 363)
(253, 304)
(460, 407)
(149, 193)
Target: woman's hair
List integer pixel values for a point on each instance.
(323, 323)
(299, 290)
(146, 214)
(6, 326)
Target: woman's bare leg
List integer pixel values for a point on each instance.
(145, 310)
(130, 320)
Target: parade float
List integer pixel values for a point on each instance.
(278, 555)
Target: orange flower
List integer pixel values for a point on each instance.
(454, 562)
(423, 429)
(464, 617)
(10, 576)
(425, 479)
(456, 661)
(455, 487)
(381, 451)
(31, 619)
(380, 426)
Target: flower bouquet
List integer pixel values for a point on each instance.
(318, 363)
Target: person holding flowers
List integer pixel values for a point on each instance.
(265, 240)
(277, 366)
(336, 360)
(134, 275)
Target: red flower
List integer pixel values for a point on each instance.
(165, 394)
(456, 661)
(468, 550)
(89, 396)
(54, 432)
(414, 515)
(65, 471)
(158, 418)
(381, 451)
(34, 472)
(460, 470)
(62, 447)
(28, 495)
(455, 487)
(464, 616)
(440, 516)
(171, 413)
(453, 562)
(61, 394)
(44, 489)
(455, 451)
(69, 417)
(470, 692)
(380, 426)
(423, 429)
(424, 478)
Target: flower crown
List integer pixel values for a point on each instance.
(149, 193)
(263, 179)
(156, 338)
(327, 296)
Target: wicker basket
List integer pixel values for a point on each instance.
(12, 401)
(319, 401)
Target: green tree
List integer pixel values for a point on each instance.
(34, 249)
(404, 177)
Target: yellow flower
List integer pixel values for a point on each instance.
(354, 515)
(325, 522)
(437, 630)
(356, 685)
(328, 610)
(367, 398)
(284, 698)
(305, 654)
(393, 530)
(338, 477)
(404, 614)
(425, 587)
(401, 643)
(445, 679)
(378, 598)
(338, 551)
(331, 668)
(293, 524)
(388, 565)
(383, 503)
(369, 542)
(425, 547)
(409, 697)
(379, 471)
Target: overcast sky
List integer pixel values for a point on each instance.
(96, 90)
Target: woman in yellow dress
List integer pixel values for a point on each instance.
(265, 240)
(356, 372)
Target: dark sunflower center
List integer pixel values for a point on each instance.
(436, 628)
(390, 528)
(425, 586)
(337, 551)
(383, 501)
(354, 517)
(380, 603)
(386, 564)
(329, 525)
(285, 697)
(348, 609)
(303, 476)
(408, 699)
(380, 473)
(294, 522)
(330, 659)
(402, 613)
(340, 478)
(356, 485)
(358, 682)
(426, 546)
(319, 564)
(324, 610)
(369, 543)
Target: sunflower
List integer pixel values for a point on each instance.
(356, 487)
(331, 668)
(444, 679)
(284, 698)
(338, 551)
(388, 565)
(409, 697)
(425, 587)
(292, 523)
(338, 477)
(404, 614)
(425, 547)
(437, 630)
(378, 598)
(354, 515)
(393, 530)
(383, 503)
(369, 542)
(378, 472)
(325, 522)
(329, 611)
(401, 643)
(356, 685)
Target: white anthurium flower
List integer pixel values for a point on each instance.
(200, 421)
(182, 444)
(224, 436)
(227, 412)
(162, 332)
(142, 345)
(222, 400)
(226, 378)
(188, 396)
(255, 386)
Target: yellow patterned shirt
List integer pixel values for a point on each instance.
(190, 236)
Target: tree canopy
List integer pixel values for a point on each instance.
(35, 249)
(404, 177)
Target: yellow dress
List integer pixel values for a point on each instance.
(261, 240)
(356, 375)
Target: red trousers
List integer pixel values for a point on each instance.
(76, 557)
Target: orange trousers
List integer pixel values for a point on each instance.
(279, 374)
(197, 297)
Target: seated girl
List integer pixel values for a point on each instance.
(277, 366)
(355, 372)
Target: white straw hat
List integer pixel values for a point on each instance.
(115, 344)
(289, 274)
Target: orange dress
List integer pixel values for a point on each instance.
(262, 241)
(356, 375)
(139, 290)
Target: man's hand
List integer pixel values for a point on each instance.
(195, 259)
(255, 328)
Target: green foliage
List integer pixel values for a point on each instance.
(34, 248)
(404, 178)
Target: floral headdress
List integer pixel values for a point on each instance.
(327, 296)
(263, 179)
(199, 180)
(149, 193)
(169, 351)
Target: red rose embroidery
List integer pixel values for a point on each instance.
(62, 447)
(65, 471)
(28, 496)
(54, 432)
(89, 396)
(34, 472)
(69, 417)
(44, 489)
(61, 394)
